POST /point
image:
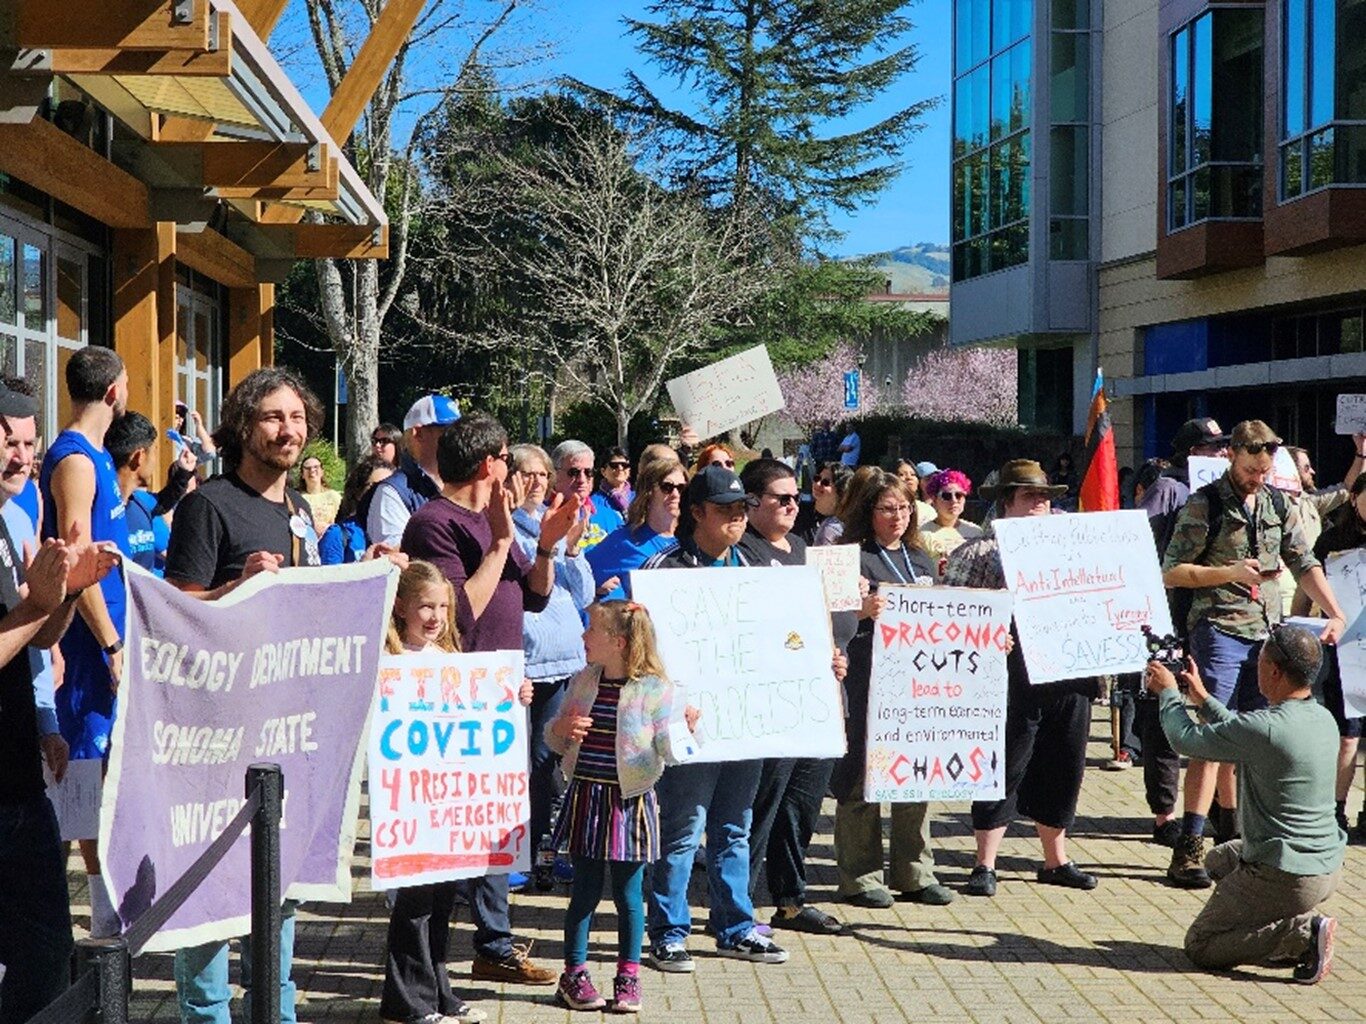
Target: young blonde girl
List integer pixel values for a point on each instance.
(613, 731)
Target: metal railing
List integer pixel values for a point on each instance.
(103, 969)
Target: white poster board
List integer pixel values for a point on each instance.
(1205, 469)
(448, 769)
(1351, 415)
(839, 569)
(76, 799)
(1085, 584)
(1284, 476)
(750, 648)
(727, 394)
(1346, 573)
(937, 703)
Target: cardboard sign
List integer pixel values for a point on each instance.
(751, 648)
(937, 702)
(1085, 584)
(1351, 414)
(282, 670)
(1284, 476)
(839, 569)
(448, 769)
(76, 799)
(1346, 573)
(727, 394)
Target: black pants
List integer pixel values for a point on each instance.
(785, 811)
(35, 933)
(416, 982)
(1161, 764)
(1046, 731)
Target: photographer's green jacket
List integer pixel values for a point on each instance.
(1287, 765)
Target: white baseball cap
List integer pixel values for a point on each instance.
(431, 411)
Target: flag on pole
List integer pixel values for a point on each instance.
(1100, 479)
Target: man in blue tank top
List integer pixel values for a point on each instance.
(81, 500)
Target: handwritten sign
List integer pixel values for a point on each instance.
(751, 648)
(937, 704)
(1284, 476)
(1085, 584)
(282, 670)
(1346, 573)
(839, 569)
(727, 394)
(76, 799)
(448, 769)
(1351, 415)
(1205, 469)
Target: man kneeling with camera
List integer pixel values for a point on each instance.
(1290, 857)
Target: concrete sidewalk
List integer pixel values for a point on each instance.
(1033, 953)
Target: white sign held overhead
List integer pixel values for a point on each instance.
(727, 394)
(1351, 417)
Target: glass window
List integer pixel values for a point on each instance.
(70, 297)
(1071, 14)
(1236, 87)
(972, 32)
(1009, 22)
(1180, 106)
(1068, 171)
(1292, 77)
(1067, 238)
(9, 282)
(1323, 44)
(1201, 101)
(35, 292)
(972, 111)
(1351, 61)
(64, 354)
(1069, 77)
(1350, 164)
(35, 373)
(1321, 158)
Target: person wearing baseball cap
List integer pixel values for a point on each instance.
(393, 501)
(718, 797)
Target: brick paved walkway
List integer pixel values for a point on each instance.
(1031, 954)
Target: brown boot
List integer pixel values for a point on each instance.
(515, 968)
(1187, 869)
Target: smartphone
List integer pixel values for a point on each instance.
(1270, 570)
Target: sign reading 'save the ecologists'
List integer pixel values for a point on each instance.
(281, 670)
(1085, 585)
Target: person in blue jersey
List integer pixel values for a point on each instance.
(651, 521)
(130, 441)
(81, 502)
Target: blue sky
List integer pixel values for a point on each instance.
(586, 40)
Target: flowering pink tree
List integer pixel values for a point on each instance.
(964, 385)
(814, 391)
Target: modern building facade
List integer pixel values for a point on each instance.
(1227, 269)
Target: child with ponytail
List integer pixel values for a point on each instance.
(614, 731)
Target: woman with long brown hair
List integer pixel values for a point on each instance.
(651, 522)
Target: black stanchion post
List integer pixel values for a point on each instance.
(109, 959)
(265, 894)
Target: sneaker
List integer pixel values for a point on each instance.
(517, 881)
(755, 948)
(1318, 959)
(982, 882)
(1069, 876)
(930, 895)
(463, 1013)
(870, 899)
(1123, 762)
(1187, 870)
(625, 994)
(515, 968)
(576, 991)
(807, 919)
(670, 959)
(1167, 834)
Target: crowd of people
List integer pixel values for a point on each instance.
(507, 546)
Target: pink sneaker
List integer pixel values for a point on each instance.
(576, 991)
(626, 994)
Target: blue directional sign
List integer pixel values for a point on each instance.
(851, 389)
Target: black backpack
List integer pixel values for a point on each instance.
(1180, 599)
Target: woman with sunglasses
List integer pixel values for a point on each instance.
(881, 519)
(614, 480)
(948, 491)
(827, 488)
(651, 523)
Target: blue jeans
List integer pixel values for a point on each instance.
(589, 875)
(717, 799)
(201, 977)
(1228, 666)
(35, 940)
(547, 696)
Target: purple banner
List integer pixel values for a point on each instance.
(281, 670)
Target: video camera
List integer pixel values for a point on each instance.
(1169, 651)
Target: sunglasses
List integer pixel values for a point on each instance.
(952, 496)
(668, 488)
(576, 474)
(728, 463)
(1257, 447)
(782, 499)
(505, 456)
(618, 465)
(893, 510)
(823, 481)
(377, 441)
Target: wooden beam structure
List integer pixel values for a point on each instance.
(335, 241)
(208, 63)
(211, 254)
(43, 154)
(251, 330)
(372, 60)
(249, 164)
(144, 264)
(110, 24)
(262, 15)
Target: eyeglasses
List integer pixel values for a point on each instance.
(539, 474)
(1257, 447)
(665, 487)
(951, 496)
(576, 474)
(314, 468)
(893, 510)
(615, 464)
(782, 499)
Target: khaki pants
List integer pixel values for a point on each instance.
(858, 847)
(1257, 914)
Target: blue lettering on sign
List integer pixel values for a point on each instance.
(418, 735)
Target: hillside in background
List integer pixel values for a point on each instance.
(923, 267)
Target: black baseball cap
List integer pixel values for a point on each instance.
(1200, 431)
(12, 403)
(717, 485)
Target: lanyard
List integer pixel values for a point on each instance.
(906, 580)
(296, 527)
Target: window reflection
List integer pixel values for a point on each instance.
(1323, 95)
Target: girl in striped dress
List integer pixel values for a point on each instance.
(616, 730)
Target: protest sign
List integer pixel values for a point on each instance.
(448, 769)
(1285, 475)
(76, 799)
(1351, 415)
(1085, 584)
(1346, 573)
(839, 569)
(751, 648)
(1205, 469)
(282, 670)
(937, 703)
(727, 394)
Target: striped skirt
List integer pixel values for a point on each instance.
(596, 822)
